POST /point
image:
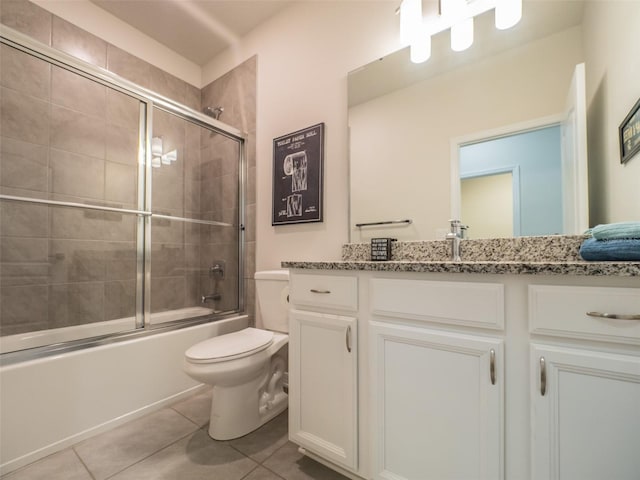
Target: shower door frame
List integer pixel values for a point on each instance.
(148, 101)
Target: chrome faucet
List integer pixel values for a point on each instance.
(213, 296)
(455, 235)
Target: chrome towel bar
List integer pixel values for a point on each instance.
(387, 222)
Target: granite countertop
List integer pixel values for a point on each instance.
(544, 255)
(624, 269)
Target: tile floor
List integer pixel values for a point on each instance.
(172, 444)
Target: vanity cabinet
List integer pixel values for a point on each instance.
(437, 404)
(436, 393)
(585, 394)
(323, 367)
(448, 381)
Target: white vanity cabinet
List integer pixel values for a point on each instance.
(323, 367)
(585, 394)
(447, 381)
(436, 394)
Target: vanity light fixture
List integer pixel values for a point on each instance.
(456, 15)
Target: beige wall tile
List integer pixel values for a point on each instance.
(23, 165)
(167, 260)
(24, 220)
(24, 117)
(120, 300)
(76, 304)
(122, 145)
(25, 73)
(78, 133)
(167, 85)
(168, 293)
(123, 110)
(23, 309)
(121, 260)
(79, 43)
(121, 183)
(77, 175)
(77, 261)
(167, 231)
(128, 66)
(192, 98)
(77, 93)
(27, 18)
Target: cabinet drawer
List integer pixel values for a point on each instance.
(562, 311)
(461, 303)
(330, 291)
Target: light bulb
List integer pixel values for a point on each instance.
(462, 35)
(410, 20)
(421, 49)
(508, 13)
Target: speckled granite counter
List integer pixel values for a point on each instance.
(545, 255)
(623, 269)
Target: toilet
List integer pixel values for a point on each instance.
(247, 368)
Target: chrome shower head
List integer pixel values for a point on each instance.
(214, 112)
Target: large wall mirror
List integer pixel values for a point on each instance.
(498, 123)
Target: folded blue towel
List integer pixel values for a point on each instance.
(609, 231)
(593, 249)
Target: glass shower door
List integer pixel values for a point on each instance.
(195, 224)
(69, 159)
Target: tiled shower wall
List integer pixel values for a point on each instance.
(236, 93)
(77, 142)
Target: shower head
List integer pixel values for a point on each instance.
(214, 112)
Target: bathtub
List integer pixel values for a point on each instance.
(22, 341)
(50, 403)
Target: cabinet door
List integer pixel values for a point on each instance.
(585, 415)
(323, 385)
(437, 404)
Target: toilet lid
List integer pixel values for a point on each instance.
(241, 343)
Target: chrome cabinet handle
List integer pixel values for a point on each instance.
(543, 377)
(348, 339)
(313, 290)
(492, 366)
(614, 316)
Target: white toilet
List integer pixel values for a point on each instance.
(246, 368)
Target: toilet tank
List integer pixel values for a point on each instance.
(272, 295)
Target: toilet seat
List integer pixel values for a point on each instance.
(230, 346)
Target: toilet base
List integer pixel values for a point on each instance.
(239, 410)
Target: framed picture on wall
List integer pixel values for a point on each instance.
(298, 159)
(629, 132)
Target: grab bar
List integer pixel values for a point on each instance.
(387, 222)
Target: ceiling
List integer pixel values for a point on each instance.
(196, 29)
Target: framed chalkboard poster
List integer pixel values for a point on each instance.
(298, 159)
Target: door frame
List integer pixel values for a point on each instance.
(487, 135)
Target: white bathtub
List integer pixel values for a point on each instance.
(21, 341)
(50, 403)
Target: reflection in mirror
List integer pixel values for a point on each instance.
(518, 179)
(405, 119)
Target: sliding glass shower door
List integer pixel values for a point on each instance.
(119, 210)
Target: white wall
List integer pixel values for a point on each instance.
(304, 54)
(613, 86)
